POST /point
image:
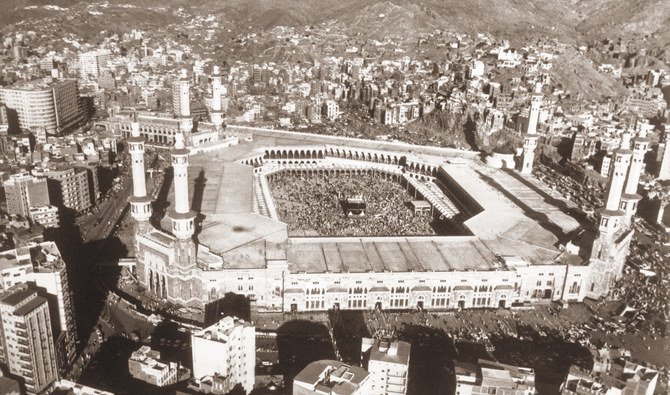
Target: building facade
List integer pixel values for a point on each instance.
(42, 268)
(70, 186)
(27, 340)
(612, 373)
(224, 355)
(327, 377)
(496, 266)
(23, 192)
(50, 104)
(388, 364)
(46, 216)
(91, 63)
(145, 365)
(664, 156)
(488, 377)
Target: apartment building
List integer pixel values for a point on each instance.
(145, 364)
(224, 355)
(50, 104)
(328, 377)
(388, 364)
(24, 191)
(489, 377)
(28, 350)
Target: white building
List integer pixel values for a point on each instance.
(42, 265)
(488, 377)
(224, 355)
(245, 247)
(612, 374)
(388, 365)
(78, 389)
(664, 157)
(23, 191)
(330, 110)
(46, 216)
(90, 63)
(145, 364)
(27, 343)
(327, 377)
(48, 104)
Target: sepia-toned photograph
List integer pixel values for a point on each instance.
(316, 197)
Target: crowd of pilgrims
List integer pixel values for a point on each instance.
(310, 206)
(646, 294)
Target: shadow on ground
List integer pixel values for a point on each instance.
(299, 343)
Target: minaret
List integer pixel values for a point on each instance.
(185, 120)
(182, 216)
(611, 217)
(664, 147)
(530, 137)
(216, 115)
(630, 198)
(140, 203)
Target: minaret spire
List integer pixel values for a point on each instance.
(140, 203)
(530, 137)
(630, 198)
(611, 216)
(216, 115)
(182, 216)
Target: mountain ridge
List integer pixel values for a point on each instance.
(574, 20)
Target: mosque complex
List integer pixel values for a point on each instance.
(513, 242)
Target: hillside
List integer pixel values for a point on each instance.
(573, 20)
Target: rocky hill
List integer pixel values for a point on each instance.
(569, 19)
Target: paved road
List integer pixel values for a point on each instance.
(109, 214)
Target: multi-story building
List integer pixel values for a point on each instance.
(4, 125)
(330, 109)
(69, 186)
(41, 266)
(72, 388)
(480, 266)
(92, 62)
(51, 104)
(488, 377)
(28, 349)
(145, 364)
(327, 377)
(663, 156)
(23, 192)
(612, 373)
(69, 111)
(161, 128)
(388, 364)
(46, 216)
(224, 355)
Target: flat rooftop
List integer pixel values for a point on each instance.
(519, 217)
(343, 379)
(390, 351)
(392, 254)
